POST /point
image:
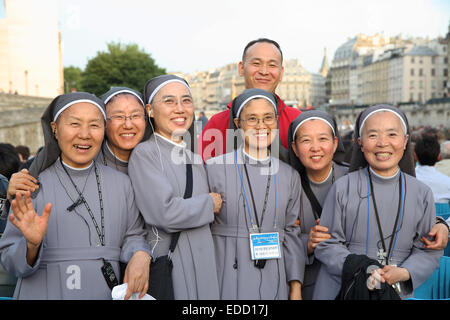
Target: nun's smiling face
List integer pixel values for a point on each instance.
(126, 124)
(172, 110)
(383, 142)
(258, 123)
(79, 130)
(315, 146)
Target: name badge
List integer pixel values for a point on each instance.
(265, 246)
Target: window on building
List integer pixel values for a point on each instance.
(445, 72)
(411, 96)
(420, 61)
(2, 9)
(420, 72)
(433, 60)
(412, 72)
(420, 96)
(433, 84)
(421, 84)
(412, 60)
(411, 84)
(433, 72)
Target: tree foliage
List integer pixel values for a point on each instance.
(122, 65)
(72, 79)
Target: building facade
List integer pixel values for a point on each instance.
(30, 48)
(370, 70)
(214, 89)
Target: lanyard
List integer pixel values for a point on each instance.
(81, 199)
(383, 255)
(257, 225)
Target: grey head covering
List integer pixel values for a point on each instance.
(51, 151)
(153, 86)
(114, 91)
(236, 107)
(358, 161)
(295, 162)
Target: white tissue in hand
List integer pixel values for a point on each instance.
(119, 292)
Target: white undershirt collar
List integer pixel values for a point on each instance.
(383, 177)
(182, 144)
(256, 159)
(78, 169)
(107, 145)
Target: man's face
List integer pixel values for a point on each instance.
(262, 67)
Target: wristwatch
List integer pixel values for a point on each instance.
(441, 220)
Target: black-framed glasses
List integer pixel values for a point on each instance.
(267, 120)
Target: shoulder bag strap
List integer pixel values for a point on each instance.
(187, 194)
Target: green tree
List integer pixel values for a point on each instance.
(72, 79)
(122, 65)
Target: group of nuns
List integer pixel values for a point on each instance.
(261, 222)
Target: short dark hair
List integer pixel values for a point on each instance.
(9, 160)
(259, 41)
(24, 151)
(427, 149)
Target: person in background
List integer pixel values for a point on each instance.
(24, 153)
(427, 150)
(3, 192)
(444, 164)
(203, 118)
(9, 160)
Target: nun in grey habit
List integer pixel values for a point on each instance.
(275, 191)
(106, 155)
(380, 216)
(93, 223)
(314, 192)
(157, 169)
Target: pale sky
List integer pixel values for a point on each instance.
(198, 35)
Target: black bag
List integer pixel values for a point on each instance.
(160, 284)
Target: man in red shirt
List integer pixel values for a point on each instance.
(261, 67)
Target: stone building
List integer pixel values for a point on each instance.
(30, 48)
(20, 120)
(214, 89)
(370, 70)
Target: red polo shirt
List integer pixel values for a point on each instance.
(220, 121)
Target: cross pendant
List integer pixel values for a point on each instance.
(381, 255)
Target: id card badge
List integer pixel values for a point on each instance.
(265, 246)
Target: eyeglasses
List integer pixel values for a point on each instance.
(119, 118)
(172, 101)
(253, 121)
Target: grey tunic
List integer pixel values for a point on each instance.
(345, 213)
(70, 257)
(231, 228)
(158, 174)
(308, 220)
(107, 158)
